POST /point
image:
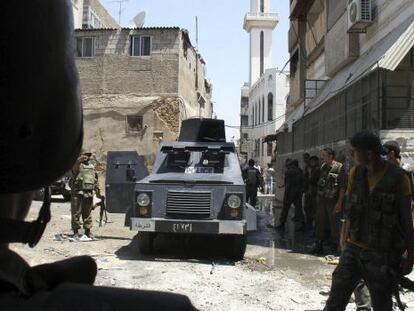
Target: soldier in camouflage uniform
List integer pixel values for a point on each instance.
(84, 182)
(379, 232)
(326, 220)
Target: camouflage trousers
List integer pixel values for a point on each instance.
(326, 221)
(373, 267)
(81, 207)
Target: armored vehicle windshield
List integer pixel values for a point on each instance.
(197, 162)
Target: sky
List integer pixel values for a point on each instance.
(222, 41)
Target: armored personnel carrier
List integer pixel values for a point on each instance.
(195, 187)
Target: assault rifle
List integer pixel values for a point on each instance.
(102, 212)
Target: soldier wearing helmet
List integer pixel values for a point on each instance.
(83, 183)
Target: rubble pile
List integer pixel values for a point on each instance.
(167, 109)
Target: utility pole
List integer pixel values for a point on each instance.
(196, 20)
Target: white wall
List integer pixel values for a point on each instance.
(389, 14)
(255, 52)
(77, 6)
(278, 85)
(255, 6)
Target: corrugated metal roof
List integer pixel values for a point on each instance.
(386, 53)
(398, 50)
(128, 28)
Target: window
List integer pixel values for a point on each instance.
(244, 121)
(254, 115)
(134, 123)
(263, 109)
(141, 46)
(85, 47)
(270, 107)
(261, 53)
(294, 60)
(262, 6)
(263, 144)
(269, 149)
(245, 136)
(260, 112)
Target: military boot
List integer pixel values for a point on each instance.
(76, 234)
(89, 234)
(317, 249)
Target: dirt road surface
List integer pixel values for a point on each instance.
(276, 274)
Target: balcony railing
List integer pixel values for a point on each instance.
(260, 19)
(260, 14)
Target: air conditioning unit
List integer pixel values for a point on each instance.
(359, 14)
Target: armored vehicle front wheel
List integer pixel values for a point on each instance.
(237, 248)
(145, 242)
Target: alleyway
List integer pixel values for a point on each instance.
(276, 274)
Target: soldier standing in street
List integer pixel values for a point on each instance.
(294, 184)
(84, 182)
(328, 190)
(379, 232)
(252, 178)
(311, 190)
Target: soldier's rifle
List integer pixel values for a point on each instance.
(103, 215)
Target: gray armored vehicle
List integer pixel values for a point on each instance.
(196, 187)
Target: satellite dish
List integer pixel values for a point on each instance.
(139, 19)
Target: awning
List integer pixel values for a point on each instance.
(398, 50)
(386, 53)
(269, 138)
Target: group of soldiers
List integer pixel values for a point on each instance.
(360, 208)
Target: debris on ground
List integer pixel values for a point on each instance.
(325, 291)
(213, 265)
(63, 237)
(332, 260)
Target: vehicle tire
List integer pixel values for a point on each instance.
(66, 196)
(145, 242)
(39, 194)
(237, 248)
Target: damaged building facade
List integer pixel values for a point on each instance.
(137, 85)
(351, 68)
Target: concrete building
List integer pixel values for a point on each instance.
(263, 99)
(351, 68)
(77, 6)
(92, 14)
(137, 85)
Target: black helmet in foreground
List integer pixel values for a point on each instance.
(41, 118)
(40, 110)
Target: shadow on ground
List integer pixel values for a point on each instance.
(200, 249)
(205, 249)
(291, 238)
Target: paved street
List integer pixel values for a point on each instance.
(271, 277)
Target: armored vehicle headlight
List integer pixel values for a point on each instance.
(143, 199)
(234, 201)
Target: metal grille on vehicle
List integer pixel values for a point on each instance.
(188, 204)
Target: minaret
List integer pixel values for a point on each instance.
(260, 23)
